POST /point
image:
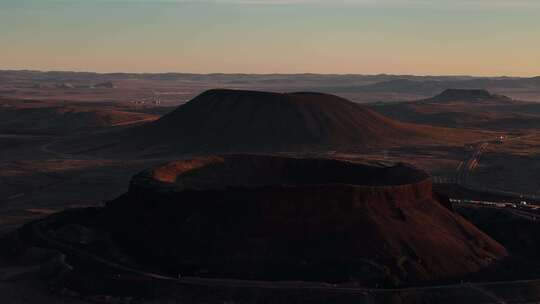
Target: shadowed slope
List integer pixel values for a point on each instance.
(231, 121)
(283, 218)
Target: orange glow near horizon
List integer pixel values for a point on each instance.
(343, 37)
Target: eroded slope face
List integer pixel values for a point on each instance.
(263, 217)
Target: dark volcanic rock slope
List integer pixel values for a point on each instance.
(263, 217)
(232, 121)
(246, 121)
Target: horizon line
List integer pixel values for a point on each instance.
(260, 74)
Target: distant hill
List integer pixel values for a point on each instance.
(465, 108)
(236, 121)
(470, 95)
(230, 120)
(358, 88)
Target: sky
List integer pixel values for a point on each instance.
(422, 37)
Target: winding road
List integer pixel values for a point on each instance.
(466, 168)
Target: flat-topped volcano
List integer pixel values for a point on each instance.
(470, 95)
(232, 121)
(235, 121)
(277, 218)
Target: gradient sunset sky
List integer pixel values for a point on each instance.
(475, 37)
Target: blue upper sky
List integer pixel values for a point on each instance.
(479, 37)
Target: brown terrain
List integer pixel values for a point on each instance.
(28, 116)
(174, 89)
(253, 121)
(466, 109)
(72, 140)
(506, 164)
(276, 218)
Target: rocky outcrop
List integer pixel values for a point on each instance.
(277, 218)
